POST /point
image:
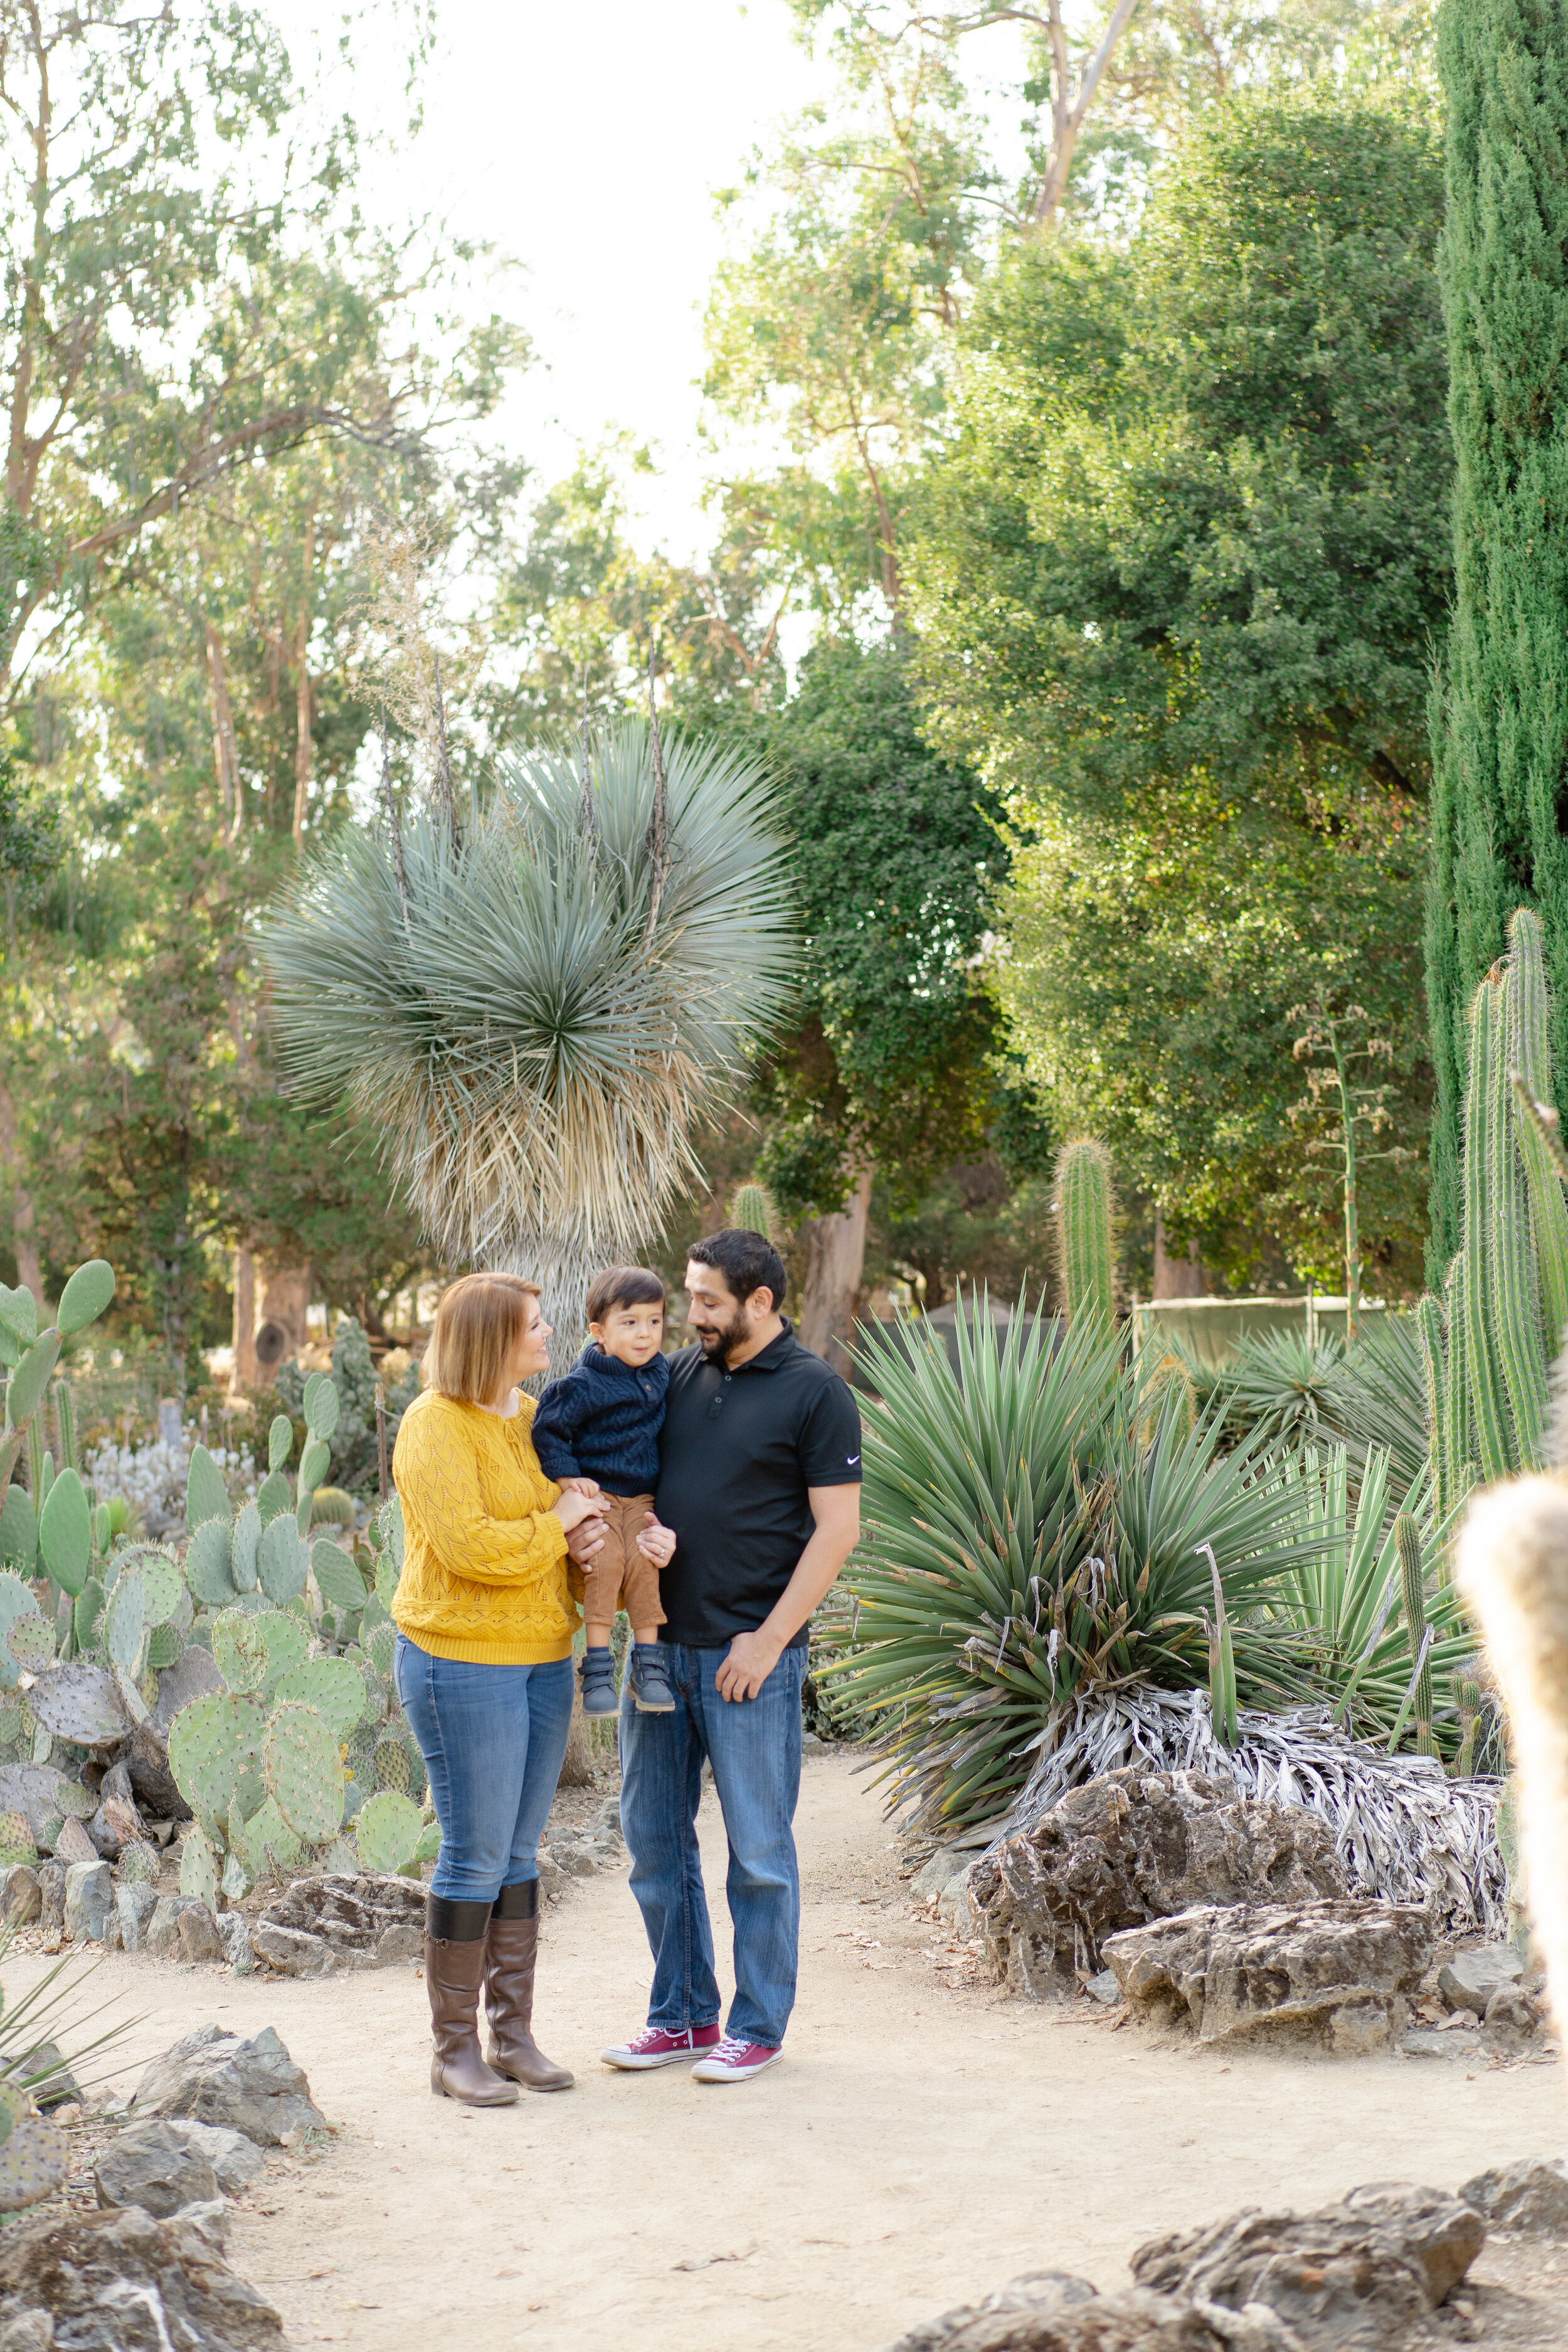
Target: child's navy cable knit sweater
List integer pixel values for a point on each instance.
(601, 1420)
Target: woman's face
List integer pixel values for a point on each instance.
(530, 1349)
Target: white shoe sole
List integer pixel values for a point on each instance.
(706, 2072)
(630, 2064)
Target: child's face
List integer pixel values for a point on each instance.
(634, 1335)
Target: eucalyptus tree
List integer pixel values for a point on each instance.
(532, 998)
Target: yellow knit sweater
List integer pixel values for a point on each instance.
(484, 1559)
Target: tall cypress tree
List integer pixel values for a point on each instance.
(1499, 713)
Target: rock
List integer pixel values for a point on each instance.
(116, 1784)
(133, 1908)
(19, 1897)
(1052, 2313)
(115, 1824)
(607, 1821)
(193, 1672)
(72, 1844)
(89, 1899)
(1514, 2018)
(1340, 1973)
(1469, 1979)
(123, 2279)
(147, 1761)
(163, 1937)
(199, 1935)
(235, 2161)
(1351, 2278)
(215, 2077)
(551, 1879)
(1104, 1988)
(153, 2164)
(1432, 2042)
(33, 1790)
(1131, 1846)
(52, 1900)
(933, 1875)
(236, 1935)
(342, 1920)
(31, 2331)
(1531, 2197)
(43, 2072)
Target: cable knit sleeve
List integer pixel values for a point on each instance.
(555, 1425)
(440, 1483)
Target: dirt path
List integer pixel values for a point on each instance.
(919, 2145)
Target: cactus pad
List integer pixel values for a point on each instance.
(139, 1862)
(124, 1621)
(31, 1642)
(265, 1842)
(280, 1441)
(88, 1293)
(321, 1406)
(18, 1527)
(429, 1846)
(198, 1867)
(314, 1463)
(16, 1840)
(34, 2158)
(388, 1831)
(207, 1565)
(65, 1532)
(244, 1542)
(164, 1646)
(386, 1575)
(18, 1314)
(77, 1703)
(163, 1583)
(86, 1612)
(381, 1649)
(287, 1641)
(206, 1496)
(239, 1651)
(282, 1561)
(337, 1581)
(24, 1390)
(213, 1742)
(74, 1802)
(393, 1766)
(304, 1774)
(274, 1495)
(15, 1729)
(334, 1687)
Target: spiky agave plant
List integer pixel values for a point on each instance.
(1031, 1539)
(530, 1015)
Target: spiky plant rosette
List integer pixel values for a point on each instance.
(1030, 1537)
(530, 1015)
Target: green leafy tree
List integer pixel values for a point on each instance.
(1500, 828)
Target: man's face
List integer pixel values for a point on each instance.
(715, 1314)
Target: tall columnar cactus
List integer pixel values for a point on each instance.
(1505, 1301)
(1413, 1591)
(751, 1210)
(1086, 1231)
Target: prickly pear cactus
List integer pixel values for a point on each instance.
(282, 1561)
(334, 1687)
(199, 1867)
(16, 1840)
(31, 1642)
(79, 1703)
(34, 2158)
(337, 1581)
(305, 1773)
(393, 1766)
(239, 1651)
(388, 1830)
(212, 1742)
(139, 1863)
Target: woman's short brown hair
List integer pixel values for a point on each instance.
(479, 1322)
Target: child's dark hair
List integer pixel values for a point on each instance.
(623, 1286)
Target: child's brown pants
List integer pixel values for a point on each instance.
(620, 1575)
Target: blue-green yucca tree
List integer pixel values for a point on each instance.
(532, 1008)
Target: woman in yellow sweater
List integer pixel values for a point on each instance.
(485, 1616)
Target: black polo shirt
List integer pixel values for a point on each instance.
(737, 1453)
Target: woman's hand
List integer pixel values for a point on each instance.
(655, 1541)
(574, 1506)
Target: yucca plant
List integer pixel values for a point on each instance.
(530, 1012)
(1029, 1539)
(1278, 1385)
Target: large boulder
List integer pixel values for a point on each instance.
(1469, 1979)
(249, 2086)
(105, 2282)
(89, 1902)
(1048, 2312)
(340, 1920)
(1339, 1973)
(1358, 2276)
(1532, 2198)
(1136, 1845)
(153, 2164)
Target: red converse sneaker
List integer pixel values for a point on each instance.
(734, 2061)
(654, 2047)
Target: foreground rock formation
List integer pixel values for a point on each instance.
(1340, 1973)
(105, 2282)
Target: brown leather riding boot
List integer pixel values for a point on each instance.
(454, 1968)
(510, 1949)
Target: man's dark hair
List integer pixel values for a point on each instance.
(747, 1261)
(623, 1286)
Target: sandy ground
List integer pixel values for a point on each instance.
(923, 2141)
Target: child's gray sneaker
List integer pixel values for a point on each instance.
(651, 1692)
(598, 1673)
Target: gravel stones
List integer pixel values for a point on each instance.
(1469, 1979)
(103, 2281)
(1133, 1846)
(153, 2164)
(1339, 1973)
(1531, 2197)
(249, 2086)
(342, 1920)
(89, 1900)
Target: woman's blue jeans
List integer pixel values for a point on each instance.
(753, 1746)
(493, 1739)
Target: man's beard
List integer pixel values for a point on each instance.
(729, 1335)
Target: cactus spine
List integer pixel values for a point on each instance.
(1086, 1232)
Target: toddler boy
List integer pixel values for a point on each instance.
(600, 1423)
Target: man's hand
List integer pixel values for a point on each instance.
(750, 1660)
(585, 1539)
(655, 1541)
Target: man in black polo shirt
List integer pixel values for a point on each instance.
(760, 1481)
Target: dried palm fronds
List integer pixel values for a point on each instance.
(531, 1017)
(1405, 1832)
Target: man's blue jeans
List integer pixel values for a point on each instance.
(753, 1746)
(493, 1739)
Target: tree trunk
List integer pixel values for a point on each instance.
(247, 1371)
(280, 1333)
(1175, 1278)
(24, 1240)
(831, 1296)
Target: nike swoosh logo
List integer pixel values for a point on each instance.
(850, 1460)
